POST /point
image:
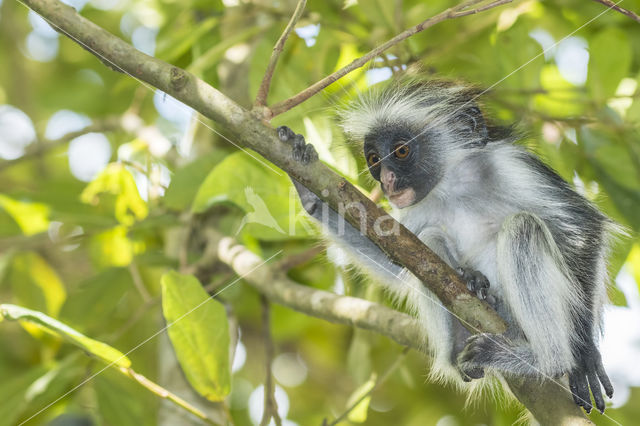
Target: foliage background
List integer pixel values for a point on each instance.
(89, 226)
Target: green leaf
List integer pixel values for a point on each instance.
(32, 218)
(270, 201)
(95, 298)
(359, 412)
(13, 394)
(36, 284)
(94, 347)
(185, 182)
(609, 62)
(199, 332)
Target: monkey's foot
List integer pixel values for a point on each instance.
(302, 151)
(476, 282)
(477, 354)
(589, 375)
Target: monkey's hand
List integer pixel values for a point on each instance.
(589, 374)
(304, 153)
(476, 282)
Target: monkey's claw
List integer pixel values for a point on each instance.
(476, 282)
(302, 151)
(589, 375)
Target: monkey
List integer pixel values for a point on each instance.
(519, 235)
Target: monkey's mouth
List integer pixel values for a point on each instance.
(402, 198)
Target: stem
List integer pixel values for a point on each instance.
(270, 405)
(453, 13)
(263, 91)
(44, 147)
(614, 5)
(165, 394)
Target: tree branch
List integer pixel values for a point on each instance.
(403, 247)
(453, 13)
(44, 147)
(263, 91)
(614, 5)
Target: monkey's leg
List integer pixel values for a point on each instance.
(542, 299)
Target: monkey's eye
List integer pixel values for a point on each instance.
(401, 150)
(373, 159)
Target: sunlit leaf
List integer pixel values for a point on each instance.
(359, 412)
(94, 347)
(199, 331)
(269, 200)
(115, 179)
(31, 217)
(112, 248)
(36, 284)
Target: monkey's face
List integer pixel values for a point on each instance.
(404, 164)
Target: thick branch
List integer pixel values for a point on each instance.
(614, 5)
(263, 91)
(403, 247)
(453, 13)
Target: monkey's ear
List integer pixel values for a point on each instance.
(472, 123)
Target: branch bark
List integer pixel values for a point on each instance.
(614, 5)
(402, 247)
(263, 91)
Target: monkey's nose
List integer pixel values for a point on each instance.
(388, 179)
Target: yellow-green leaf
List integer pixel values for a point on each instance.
(117, 180)
(36, 284)
(32, 218)
(94, 347)
(359, 412)
(199, 332)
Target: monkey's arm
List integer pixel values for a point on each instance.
(365, 253)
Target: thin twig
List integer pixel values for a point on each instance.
(45, 146)
(270, 404)
(165, 394)
(378, 383)
(613, 5)
(263, 91)
(138, 282)
(452, 13)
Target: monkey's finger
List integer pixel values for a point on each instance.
(604, 379)
(574, 391)
(594, 384)
(582, 391)
(285, 133)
